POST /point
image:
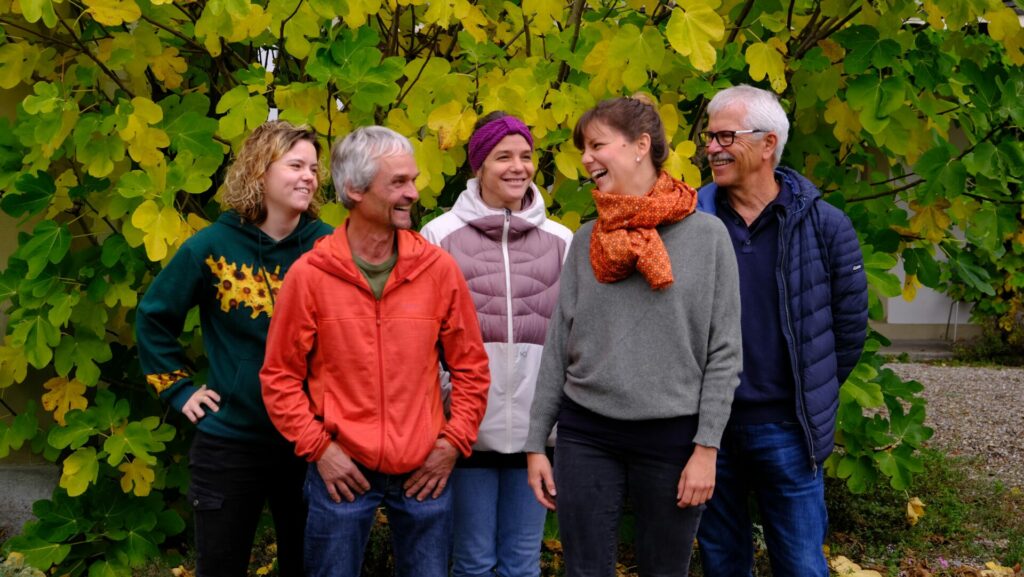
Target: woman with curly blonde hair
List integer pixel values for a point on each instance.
(232, 271)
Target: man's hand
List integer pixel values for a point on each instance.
(341, 475)
(541, 479)
(193, 408)
(431, 478)
(697, 482)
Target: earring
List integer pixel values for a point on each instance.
(638, 160)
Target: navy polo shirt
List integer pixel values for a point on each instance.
(766, 393)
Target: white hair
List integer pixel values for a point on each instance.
(762, 108)
(354, 159)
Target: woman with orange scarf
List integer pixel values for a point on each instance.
(642, 355)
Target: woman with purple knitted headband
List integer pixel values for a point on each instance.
(511, 255)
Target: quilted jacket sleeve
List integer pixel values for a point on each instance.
(849, 291)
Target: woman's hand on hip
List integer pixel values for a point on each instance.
(203, 397)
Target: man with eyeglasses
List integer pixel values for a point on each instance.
(804, 301)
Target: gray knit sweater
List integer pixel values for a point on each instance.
(628, 352)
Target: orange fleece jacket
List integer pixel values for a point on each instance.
(345, 367)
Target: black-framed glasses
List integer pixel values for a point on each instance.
(725, 137)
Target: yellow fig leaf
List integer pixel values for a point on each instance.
(123, 293)
(845, 121)
(333, 213)
(766, 60)
(138, 477)
(453, 123)
(472, 19)
(844, 567)
(440, 12)
(13, 364)
(993, 569)
(17, 61)
(566, 163)
(430, 161)
(910, 285)
(691, 31)
(915, 509)
(648, 5)
(63, 396)
(196, 222)
(670, 119)
(358, 10)
(307, 104)
(1004, 26)
(679, 165)
(144, 141)
(160, 226)
(304, 22)
(80, 469)
(34, 10)
(113, 12)
(168, 67)
(544, 14)
(571, 219)
(930, 222)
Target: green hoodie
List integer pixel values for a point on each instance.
(232, 271)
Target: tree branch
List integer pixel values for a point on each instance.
(576, 19)
(101, 65)
(526, 35)
(190, 41)
(44, 37)
(739, 21)
(886, 193)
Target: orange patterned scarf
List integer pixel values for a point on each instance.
(624, 237)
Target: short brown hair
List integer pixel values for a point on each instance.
(632, 117)
(243, 186)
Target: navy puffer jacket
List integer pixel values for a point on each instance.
(823, 302)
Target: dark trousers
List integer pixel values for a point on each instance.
(231, 482)
(592, 485)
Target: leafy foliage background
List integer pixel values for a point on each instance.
(907, 114)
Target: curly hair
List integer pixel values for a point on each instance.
(243, 186)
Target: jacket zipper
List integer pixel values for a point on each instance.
(801, 412)
(509, 352)
(380, 384)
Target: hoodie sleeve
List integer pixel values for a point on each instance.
(291, 337)
(466, 359)
(159, 321)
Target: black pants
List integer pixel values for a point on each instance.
(593, 484)
(231, 482)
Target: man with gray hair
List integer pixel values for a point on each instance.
(803, 293)
(350, 375)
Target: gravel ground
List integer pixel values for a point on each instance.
(976, 412)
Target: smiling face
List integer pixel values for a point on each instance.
(611, 159)
(749, 156)
(291, 181)
(391, 194)
(506, 173)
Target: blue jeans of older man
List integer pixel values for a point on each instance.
(772, 462)
(337, 533)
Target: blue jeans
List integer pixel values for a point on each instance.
(337, 533)
(498, 523)
(772, 461)
(231, 482)
(593, 484)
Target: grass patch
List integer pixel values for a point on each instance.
(967, 522)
